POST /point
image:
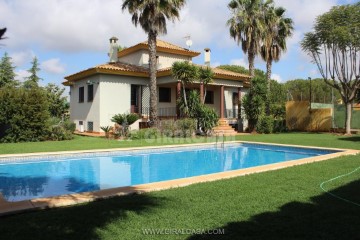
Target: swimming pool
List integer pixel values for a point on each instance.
(35, 177)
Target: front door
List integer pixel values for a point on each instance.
(135, 99)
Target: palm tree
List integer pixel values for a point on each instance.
(152, 16)
(278, 29)
(206, 76)
(186, 73)
(246, 27)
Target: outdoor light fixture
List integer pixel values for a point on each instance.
(91, 82)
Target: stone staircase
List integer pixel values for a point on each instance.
(224, 128)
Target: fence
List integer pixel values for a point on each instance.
(319, 117)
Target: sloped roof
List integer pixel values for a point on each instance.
(161, 46)
(126, 69)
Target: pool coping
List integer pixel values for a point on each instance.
(7, 208)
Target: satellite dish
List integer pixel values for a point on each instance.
(189, 43)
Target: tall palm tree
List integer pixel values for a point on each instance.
(151, 15)
(278, 29)
(246, 27)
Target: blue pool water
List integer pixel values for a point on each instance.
(29, 178)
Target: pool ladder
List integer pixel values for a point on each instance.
(217, 140)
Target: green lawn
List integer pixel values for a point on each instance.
(88, 143)
(282, 204)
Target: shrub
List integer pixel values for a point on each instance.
(168, 128)
(124, 118)
(254, 102)
(186, 126)
(280, 126)
(24, 114)
(265, 124)
(146, 133)
(69, 126)
(207, 119)
(59, 133)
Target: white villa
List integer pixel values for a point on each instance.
(122, 86)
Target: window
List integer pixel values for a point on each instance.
(209, 99)
(164, 94)
(90, 126)
(81, 94)
(90, 93)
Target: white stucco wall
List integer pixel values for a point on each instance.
(136, 58)
(86, 111)
(141, 58)
(115, 93)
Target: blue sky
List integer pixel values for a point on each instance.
(69, 36)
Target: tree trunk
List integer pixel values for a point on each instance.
(251, 59)
(268, 86)
(153, 71)
(185, 100)
(348, 118)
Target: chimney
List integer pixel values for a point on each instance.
(207, 56)
(113, 51)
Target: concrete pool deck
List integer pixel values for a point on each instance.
(7, 208)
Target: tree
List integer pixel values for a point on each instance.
(24, 114)
(254, 102)
(206, 76)
(33, 79)
(334, 46)
(152, 16)
(56, 101)
(186, 73)
(247, 27)
(277, 30)
(7, 74)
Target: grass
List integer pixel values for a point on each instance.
(89, 143)
(286, 204)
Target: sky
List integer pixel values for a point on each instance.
(69, 36)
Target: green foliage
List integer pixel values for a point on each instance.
(247, 27)
(7, 74)
(33, 79)
(124, 118)
(24, 114)
(334, 47)
(186, 126)
(106, 129)
(146, 133)
(254, 102)
(240, 69)
(168, 128)
(59, 133)
(189, 106)
(207, 119)
(299, 90)
(58, 106)
(265, 124)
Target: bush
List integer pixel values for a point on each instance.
(59, 130)
(59, 133)
(168, 128)
(265, 124)
(186, 127)
(207, 119)
(24, 114)
(146, 133)
(280, 126)
(125, 118)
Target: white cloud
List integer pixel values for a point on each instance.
(240, 62)
(276, 77)
(22, 57)
(53, 66)
(21, 74)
